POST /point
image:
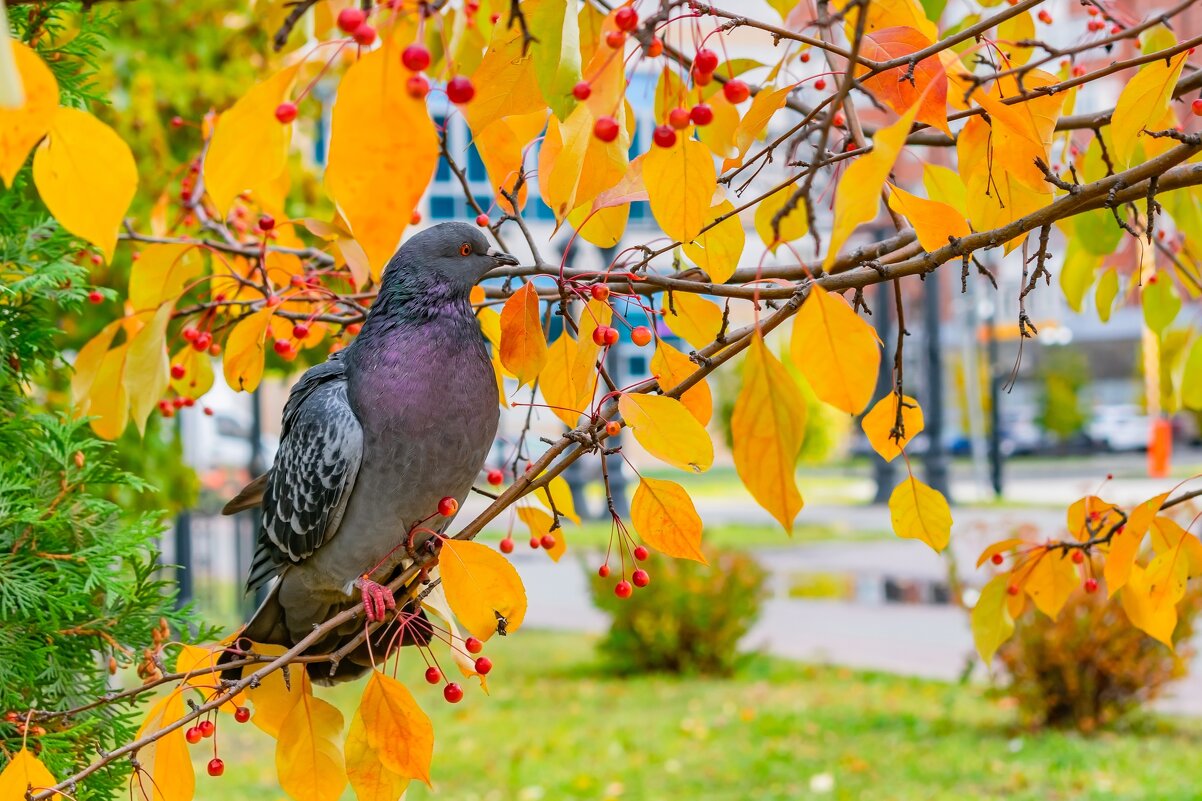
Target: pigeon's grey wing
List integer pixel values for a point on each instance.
(321, 448)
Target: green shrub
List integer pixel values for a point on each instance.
(1090, 666)
(688, 620)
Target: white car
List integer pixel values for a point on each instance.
(1121, 427)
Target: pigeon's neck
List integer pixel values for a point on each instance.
(412, 304)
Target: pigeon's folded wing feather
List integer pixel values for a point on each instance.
(321, 448)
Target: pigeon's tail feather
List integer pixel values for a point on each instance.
(250, 496)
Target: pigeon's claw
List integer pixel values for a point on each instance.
(377, 599)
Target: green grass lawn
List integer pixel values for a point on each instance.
(557, 726)
(732, 535)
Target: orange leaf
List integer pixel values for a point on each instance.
(664, 516)
(999, 547)
(1124, 546)
(369, 777)
(482, 588)
(672, 367)
(900, 88)
(502, 146)
(308, 760)
(539, 523)
(1099, 514)
(23, 126)
(836, 351)
(165, 762)
(523, 345)
(274, 698)
(245, 349)
(934, 222)
(878, 425)
(505, 82)
(396, 727)
(24, 773)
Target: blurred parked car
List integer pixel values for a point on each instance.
(1123, 427)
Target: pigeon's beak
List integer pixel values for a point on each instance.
(501, 257)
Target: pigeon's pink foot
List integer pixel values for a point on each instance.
(377, 599)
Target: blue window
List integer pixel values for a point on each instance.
(442, 207)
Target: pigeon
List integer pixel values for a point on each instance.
(372, 440)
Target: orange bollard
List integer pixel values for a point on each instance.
(1160, 448)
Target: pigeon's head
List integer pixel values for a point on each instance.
(451, 256)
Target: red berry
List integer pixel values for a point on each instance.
(640, 335)
(1117, 29)
(603, 571)
(599, 291)
(605, 129)
(300, 331)
(582, 90)
(482, 220)
(241, 714)
(838, 119)
(611, 335)
(216, 767)
(736, 91)
(448, 506)
(701, 114)
(623, 589)
(1092, 11)
(415, 57)
(285, 112)
(1012, 589)
(433, 675)
(1091, 585)
(1196, 107)
(702, 78)
(453, 693)
(202, 341)
(460, 90)
(95, 297)
(706, 60)
(414, 219)
(177, 122)
(273, 301)
(996, 559)
(640, 578)
(1078, 557)
(473, 645)
(613, 428)
(506, 545)
(548, 541)
(189, 402)
(535, 543)
(364, 35)
(820, 84)
(208, 411)
(615, 39)
(192, 735)
(495, 477)
(417, 86)
(349, 19)
(177, 403)
(664, 136)
(177, 371)
(283, 347)
(483, 665)
(626, 18)
(656, 48)
(599, 335)
(678, 118)
(1045, 17)
(266, 222)
(207, 728)
(189, 334)
(640, 553)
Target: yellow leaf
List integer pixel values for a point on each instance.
(602, 227)
(680, 185)
(1099, 514)
(768, 428)
(664, 427)
(249, 148)
(23, 126)
(945, 185)
(523, 345)
(505, 82)
(24, 772)
(557, 490)
(992, 624)
(999, 547)
(919, 512)
(878, 425)
(274, 698)
(86, 176)
(108, 402)
(693, 318)
(1124, 546)
(557, 57)
(245, 349)
(719, 135)
(763, 106)
(1141, 104)
(201, 664)
(383, 151)
(891, 14)
(1019, 28)
(396, 727)
(539, 523)
(664, 516)
(836, 351)
(555, 381)
(308, 761)
(1169, 537)
(88, 362)
(1149, 611)
(857, 198)
(584, 371)
(717, 250)
(166, 764)
(162, 273)
(502, 146)
(1051, 580)
(369, 777)
(482, 588)
(436, 603)
(793, 226)
(146, 374)
(672, 367)
(933, 221)
(198, 372)
(574, 167)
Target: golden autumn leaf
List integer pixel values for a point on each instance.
(502, 146)
(201, 664)
(482, 588)
(836, 351)
(671, 367)
(944, 185)
(1019, 28)
(523, 344)
(558, 56)
(22, 127)
(719, 135)
(878, 425)
(602, 227)
(574, 167)
(857, 197)
(249, 148)
(1141, 104)
(147, 373)
(763, 106)
(308, 759)
(198, 372)
(24, 772)
(506, 83)
(539, 523)
(889, 14)
(557, 490)
(86, 176)
(923, 85)
(664, 516)
(919, 512)
(717, 250)
(992, 623)
(693, 318)
(664, 427)
(162, 273)
(1124, 546)
(793, 226)
(383, 152)
(1091, 510)
(108, 402)
(768, 428)
(934, 222)
(275, 696)
(369, 777)
(435, 602)
(1051, 580)
(245, 349)
(1169, 537)
(166, 764)
(88, 363)
(680, 185)
(555, 381)
(397, 729)
(1149, 610)
(999, 547)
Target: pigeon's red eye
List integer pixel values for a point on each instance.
(465, 249)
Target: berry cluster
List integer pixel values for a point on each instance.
(207, 729)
